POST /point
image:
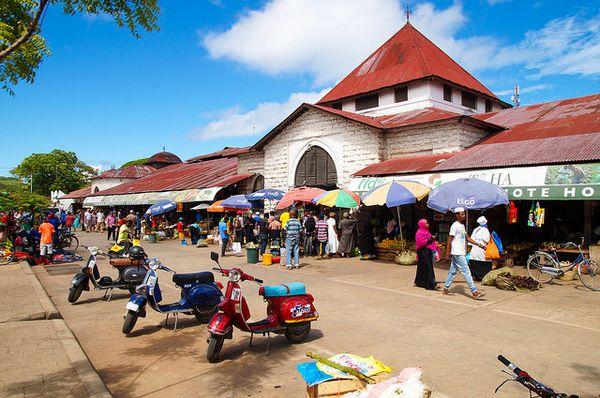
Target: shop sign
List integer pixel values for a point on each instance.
(556, 182)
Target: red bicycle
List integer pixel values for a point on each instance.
(534, 386)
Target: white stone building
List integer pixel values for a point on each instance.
(408, 98)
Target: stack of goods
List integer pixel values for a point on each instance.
(505, 279)
(401, 251)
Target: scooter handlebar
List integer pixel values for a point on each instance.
(259, 281)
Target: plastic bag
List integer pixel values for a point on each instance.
(497, 241)
(236, 248)
(491, 251)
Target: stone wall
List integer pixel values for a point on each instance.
(351, 145)
(435, 138)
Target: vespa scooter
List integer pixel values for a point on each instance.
(200, 296)
(131, 273)
(290, 311)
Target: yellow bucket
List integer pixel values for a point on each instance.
(267, 259)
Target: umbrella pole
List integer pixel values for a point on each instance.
(399, 221)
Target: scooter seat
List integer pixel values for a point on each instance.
(196, 277)
(121, 262)
(290, 289)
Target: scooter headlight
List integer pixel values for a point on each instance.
(234, 276)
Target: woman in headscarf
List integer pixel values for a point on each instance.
(478, 264)
(347, 232)
(366, 239)
(426, 251)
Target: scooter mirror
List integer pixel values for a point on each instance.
(214, 256)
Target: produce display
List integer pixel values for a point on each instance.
(396, 244)
(550, 245)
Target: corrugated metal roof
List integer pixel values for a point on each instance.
(164, 157)
(410, 164)
(78, 194)
(133, 171)
(210, 173)
(223, 153)
(565, 131)
(407, 56)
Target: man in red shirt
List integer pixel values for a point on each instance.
(47, 232)
(69, 221)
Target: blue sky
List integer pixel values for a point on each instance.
(221, 73)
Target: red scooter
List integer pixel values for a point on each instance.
(290, 311)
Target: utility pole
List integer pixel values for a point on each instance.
(516, 97)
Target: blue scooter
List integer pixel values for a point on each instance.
(200, 296)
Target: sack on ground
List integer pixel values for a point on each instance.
(406, 257)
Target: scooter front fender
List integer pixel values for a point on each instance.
(221, 324)
(137, 303)
(81, 279)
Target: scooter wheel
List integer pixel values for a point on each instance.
(130, 320)
(297, 332)
(75, 293)
(205, 313)
(214, 348)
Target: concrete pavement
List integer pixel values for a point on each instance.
(39, 356)
(366, 308)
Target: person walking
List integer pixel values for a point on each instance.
(347, 235)
(87, 220)
(427, 254)
(478, 264)
(77, 222)
(321, 228)
(332, 235)
(110, 225)
(293, 230)
(310, 225)
(224, 234)
(46, 230)
(100, 221)
(456, 247)
(263, 233)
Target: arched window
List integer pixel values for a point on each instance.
(259, 183)
(96, 189)
(316, 168)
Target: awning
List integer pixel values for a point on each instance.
(149, 198)
(201, 206)
(556, 182)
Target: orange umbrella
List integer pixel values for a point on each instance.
(218, 208)
(301, 194)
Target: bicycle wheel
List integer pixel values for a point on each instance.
(535, 264)
(6, 256)
(588, 270)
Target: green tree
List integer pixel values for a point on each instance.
(22, 47)
(14, 195)
(57, 170)
(134, 162)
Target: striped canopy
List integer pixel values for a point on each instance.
(395, 193)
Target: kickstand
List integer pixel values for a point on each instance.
(176, 318)
(167, 320)
(251, 336)
(109, 296)
(268, 343)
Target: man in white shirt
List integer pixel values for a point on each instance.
(100, 222)
(456, 247)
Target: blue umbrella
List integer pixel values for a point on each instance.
(267, 193)
(161, 207)
(237, 202)
(468, 193)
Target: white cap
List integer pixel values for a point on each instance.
(459, 209)
(482, 220)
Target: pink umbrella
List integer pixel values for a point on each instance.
(301, 194)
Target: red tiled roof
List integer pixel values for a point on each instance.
(411, 164)
(78, 194)
(164, 157)
(226, 152)
(405, 57)
(177, 177)
(133, 171)
(417, 116)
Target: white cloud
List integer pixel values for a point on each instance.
(525, 90)
(326, 39)
(236, 123)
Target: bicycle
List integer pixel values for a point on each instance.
(543, 267)
(534, 386)
(7, 254)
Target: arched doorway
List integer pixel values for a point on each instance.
(317, 169)
(259, 183)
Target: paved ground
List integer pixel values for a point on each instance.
(39, 355)
(367, 308)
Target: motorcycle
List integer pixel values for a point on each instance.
(67, 240)
(200, 296)
(290, 311)
(131, 273)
